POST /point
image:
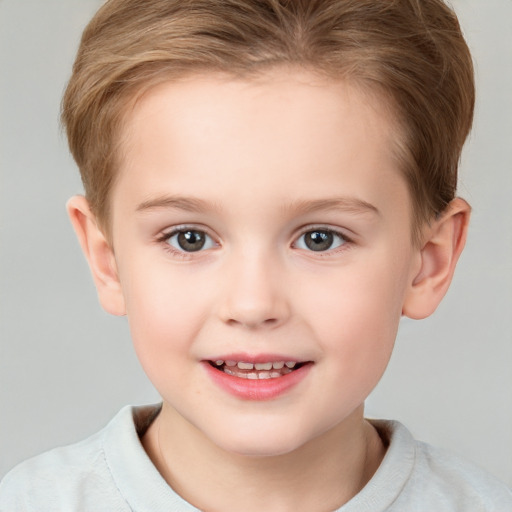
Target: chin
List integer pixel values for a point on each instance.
(256, 449)
(261, 442)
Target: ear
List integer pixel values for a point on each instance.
(443, 242)
(99, 255)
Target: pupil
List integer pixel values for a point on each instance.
(191, 241)
(319, 240)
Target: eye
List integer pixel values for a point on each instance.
(320, 240)
(189, 240)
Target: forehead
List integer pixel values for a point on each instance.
(203, 133)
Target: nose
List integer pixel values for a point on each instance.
(255, 294)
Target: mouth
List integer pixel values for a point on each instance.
(256, 371)
(257, 378)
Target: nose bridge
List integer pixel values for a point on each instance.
(254, 294)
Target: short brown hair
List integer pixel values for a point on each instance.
(410, 51)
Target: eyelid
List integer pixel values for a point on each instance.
(343, 232)
(165, 233)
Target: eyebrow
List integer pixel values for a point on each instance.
(345, 204)
(189, 204)
(192, 204)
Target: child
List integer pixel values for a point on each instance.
(270, 186)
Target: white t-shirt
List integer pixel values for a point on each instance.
(110, 472)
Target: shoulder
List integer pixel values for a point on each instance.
(434, 479)
(462, 484)
(66, 478)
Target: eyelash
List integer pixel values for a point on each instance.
(346, 241)
(166, 236)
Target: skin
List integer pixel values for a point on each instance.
(258, 166)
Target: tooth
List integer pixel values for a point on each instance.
(278, 366)
(219, 362)
(264, 375)
(275, 375)
(290, 364)
(231, 363)
(228, 371)
(252, 376)
(263, 366)
(245, 366)
(286, 371)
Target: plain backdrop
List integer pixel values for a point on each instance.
(66, 367)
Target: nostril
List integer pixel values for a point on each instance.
(253, 323)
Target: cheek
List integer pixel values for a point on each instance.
(164, 311)
(366, 301)
(355, 314)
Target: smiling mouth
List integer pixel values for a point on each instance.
(256, 371)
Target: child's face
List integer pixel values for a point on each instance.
(262, 222)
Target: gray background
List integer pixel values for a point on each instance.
(66, 367)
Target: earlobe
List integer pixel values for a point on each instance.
(99, 255)
(439, 253)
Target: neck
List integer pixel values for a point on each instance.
(323, 474)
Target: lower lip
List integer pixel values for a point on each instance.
(257, 389)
